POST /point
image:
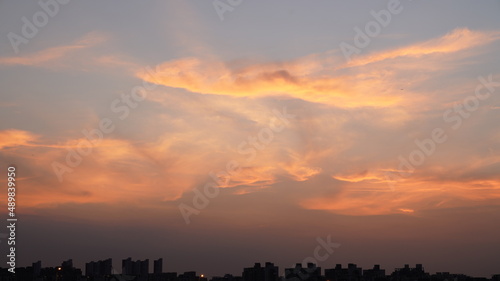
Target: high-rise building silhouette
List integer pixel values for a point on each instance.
(269, 272)
(37, 268)
(227, 277)
(138, 271)
(407, 272)
(374, 274)
(188, 276)
(99, 268)
(67, 264)
(309, 273)
(127, 266)
(158, 266)
(137, 268)
(65, 272)
(351, 273)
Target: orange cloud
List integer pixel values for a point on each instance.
(314, 78)
(371, 195)
(115, 171)
(53, 57)
(248, 190)
(12, 138)
(299, 169)
(250, 177)
(117, 62)
(293, 79)
(203, 132)
(458, 40)
(365, 176)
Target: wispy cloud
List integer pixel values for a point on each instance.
(295, 79)
(55, 57)
(14, 138)
(348, 120)
(458, 40)
(316, 78)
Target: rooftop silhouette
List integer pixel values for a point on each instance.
(103, 270)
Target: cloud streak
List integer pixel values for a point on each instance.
(460, 39)
(55, 57)
(314, 78)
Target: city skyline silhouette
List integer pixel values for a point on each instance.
(268, 271)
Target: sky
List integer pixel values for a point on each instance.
(216, 134)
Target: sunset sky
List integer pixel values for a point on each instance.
(216, 136)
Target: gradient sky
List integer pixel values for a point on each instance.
(216, 84)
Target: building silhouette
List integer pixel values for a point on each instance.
(227, 277)
(407, 273)
(99, 268)
(138, 271)
(375, 274)
(351, 273)
(37, 269)
(67, 264)
(158, 266)
(309, 273)
(188, 276)
(269, 272)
